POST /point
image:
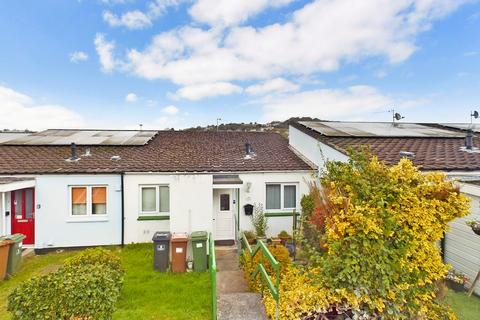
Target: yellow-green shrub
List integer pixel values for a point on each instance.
(281, 255)
(379, 240)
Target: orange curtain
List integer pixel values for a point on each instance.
(79, 195)
(99, 195)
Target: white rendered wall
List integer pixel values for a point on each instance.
(257, 195)
(312, 149)
(54, 227)
(191, 202)
(462, 246)
(190, 205)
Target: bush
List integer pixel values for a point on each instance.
(259, 221)
(86, 287)
(377, 227)
(96, 256)
(281, 255)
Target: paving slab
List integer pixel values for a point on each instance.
(234, 299)
(241, 306)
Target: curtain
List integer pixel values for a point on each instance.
(149, 199)
(79, 201)
(99, 200)
(289, 197)
(164, 198)
(273, 196)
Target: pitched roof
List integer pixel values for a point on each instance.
(431, 153)
(168, 151)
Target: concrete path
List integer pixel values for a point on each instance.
(234, 300)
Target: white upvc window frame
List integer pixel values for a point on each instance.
(157, 200)
(89, 213)
(282, 192)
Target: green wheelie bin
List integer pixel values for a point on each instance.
(199, 249)
(15, 253)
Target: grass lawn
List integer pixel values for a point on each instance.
(466, 308)
(153, 295)
(146, 294)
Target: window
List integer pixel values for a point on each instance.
(99, 200)
(149, 200)
(79, 201)
(88, 200)
(273, 196)
(281, 196)
(225, 202)
(154, 199)
(289, 197)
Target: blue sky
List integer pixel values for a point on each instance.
(182, 63)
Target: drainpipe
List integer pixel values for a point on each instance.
(4, 217)
(122, 242)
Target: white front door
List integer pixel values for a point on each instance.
(223, 206)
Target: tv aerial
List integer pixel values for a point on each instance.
(474, 114)
(396, 116)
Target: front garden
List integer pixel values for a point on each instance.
(144, 294)
(367, 248)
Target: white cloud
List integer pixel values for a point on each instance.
(273, 85)
(230, 12)
(327, 103)
(20, 111)
(199, 91)
(317, 38)
(104, 50)
(171, 110)
(137, 19)
(132, 19)
(131, 97)
(78, 56)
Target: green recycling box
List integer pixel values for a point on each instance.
(15, 253)
(199, 249)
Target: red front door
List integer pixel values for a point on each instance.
(23, 213)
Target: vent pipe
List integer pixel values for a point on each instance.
(469, 140)
(248, 149)
(73, 150)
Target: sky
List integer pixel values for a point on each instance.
(183, 63)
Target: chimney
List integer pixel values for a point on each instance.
(469, 140)
(73, 150)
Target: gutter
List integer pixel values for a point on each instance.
(122, 241)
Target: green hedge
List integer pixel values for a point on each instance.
(86, 287)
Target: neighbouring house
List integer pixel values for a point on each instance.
(71, 188)
(451, 148)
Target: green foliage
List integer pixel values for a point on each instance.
(86, 287)
(284, 234)
(308, 205)
(96, 256)
(249, 265)
(259, 221)
(250, 235)
(379, 233)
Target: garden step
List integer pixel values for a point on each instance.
(240, 306)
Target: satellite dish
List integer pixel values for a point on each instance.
(475, 114)
(398, 116)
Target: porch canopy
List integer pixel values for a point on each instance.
(227, 181)
(15, 183)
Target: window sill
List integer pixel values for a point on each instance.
(87, 219)
(153, 217)
(281, 213)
